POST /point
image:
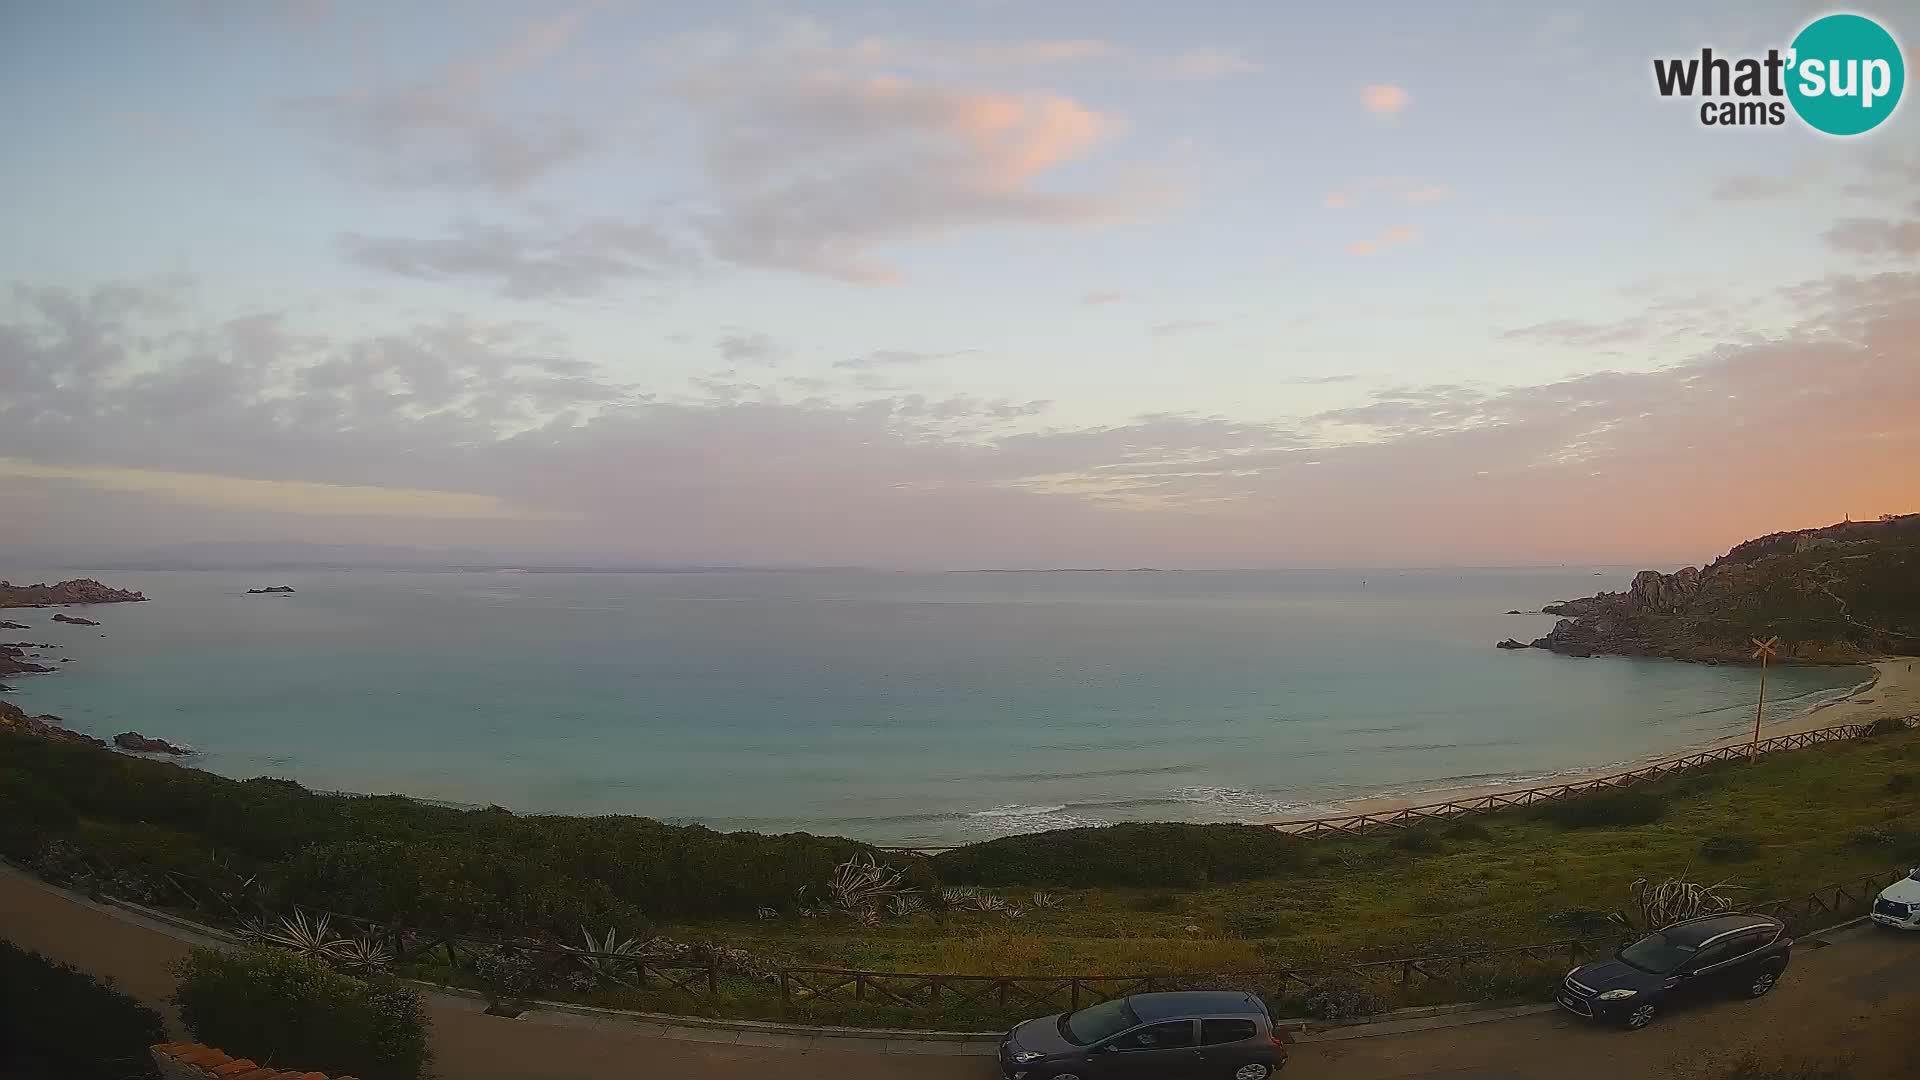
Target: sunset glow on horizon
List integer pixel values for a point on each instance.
(953, 285)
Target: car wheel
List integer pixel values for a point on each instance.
(1064, 1076)
(1640, 1017)
(1253, 1070)
(1764, 982)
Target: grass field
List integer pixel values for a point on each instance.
(1781, 826)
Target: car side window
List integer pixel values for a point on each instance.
(1168, 1036)
(1214, 1032)
(1732, 948)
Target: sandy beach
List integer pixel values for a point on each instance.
(1893, 691)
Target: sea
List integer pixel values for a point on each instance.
(920, 709)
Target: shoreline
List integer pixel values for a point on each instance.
(1893, 690)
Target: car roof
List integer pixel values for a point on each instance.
(1695, 931)
(1182, 1003)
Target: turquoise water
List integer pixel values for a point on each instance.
(910, 708)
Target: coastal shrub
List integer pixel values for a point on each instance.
(398, 860)
(1901, 783)
(289, 1011)
(56, 1021)
(1467, 829)
(1343, 997)
(1721, 848)
(1885, 725)
(30, 813)
(1256, 923)
(1609, 808)
(1157, 903)
(1141, 854)
(1421, 841)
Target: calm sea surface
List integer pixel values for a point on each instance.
(912, 708)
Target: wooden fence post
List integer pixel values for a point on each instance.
(713, 978)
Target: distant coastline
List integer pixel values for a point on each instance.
(1063, 570)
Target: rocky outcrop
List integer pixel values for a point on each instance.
(1835, 595)
(69, 619)
(12, 664)
(76, 591)
(140, 744)
(1510, 643)
(270, 589)
(15, 719)
(5, 625)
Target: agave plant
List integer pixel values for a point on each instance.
(1013, 911)
(1047, 901)
(906, 904)
(766, 913)
(1662, 903)
(361, 956)
(988, 901)
(609, 958)
(308, 936)
(956, 895)
(860, 884)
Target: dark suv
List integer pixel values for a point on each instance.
(1712, 955)
(1190, 1035)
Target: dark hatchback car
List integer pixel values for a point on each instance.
(1706, 957)
(1188, 1035)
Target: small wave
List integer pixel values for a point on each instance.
(1007, 820)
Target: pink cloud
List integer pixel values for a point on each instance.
(1384, 99)
(1391, 237)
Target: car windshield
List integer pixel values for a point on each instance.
(1097, 1022)
(1656, 954)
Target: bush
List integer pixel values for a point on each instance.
(1254, 923)
(1467, 829)
(1129, 854)
(1605, 809)
(59, 1022)
(1343, 997)
(1900, 783)
(285, 1010)
(1421, 841)
(1885, 725)
(393, 859)
(30, 813)
(1159, 902)
(1728, 849)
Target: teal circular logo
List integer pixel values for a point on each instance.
(1846, 74)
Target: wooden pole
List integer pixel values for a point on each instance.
(1754, 749)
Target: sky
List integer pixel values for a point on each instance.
(957, 284)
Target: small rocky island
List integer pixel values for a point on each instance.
(270, 589)
(140, 744)
(76, 591)
(1835, 595)
(72, 621)
(5, 625)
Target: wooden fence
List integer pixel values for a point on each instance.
(542, 969)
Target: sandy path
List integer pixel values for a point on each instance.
(1894, 691)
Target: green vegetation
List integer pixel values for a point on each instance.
(1128, 854)
(59, 1022)
(388, 857)
(286, 1011)
(1122, 900)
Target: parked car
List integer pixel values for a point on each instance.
(1705, 957)
(1188, 1035)
(1898, 905)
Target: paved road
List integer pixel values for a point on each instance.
(1828, 992)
